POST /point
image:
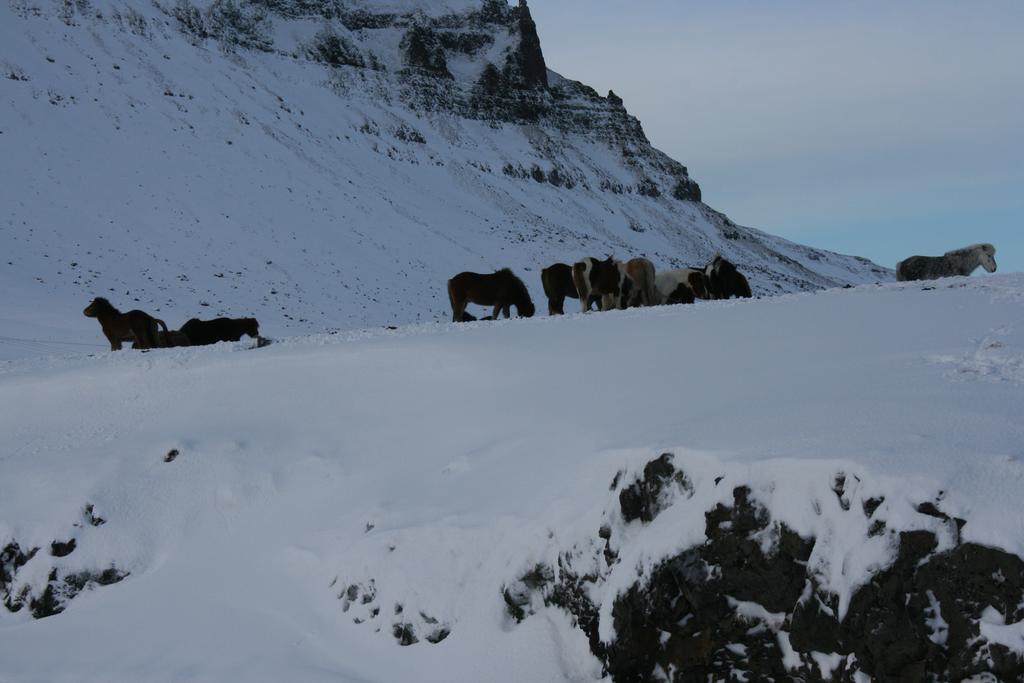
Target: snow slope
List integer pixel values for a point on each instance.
(193, 178)
(428, 466)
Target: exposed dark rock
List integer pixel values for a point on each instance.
(466, 42)
(190, 20)
(839, 488)
(870, 505)
(423, 50)
(59, 590)
(61, 586)
(330, 48)
(171, 455)
(493, 12)
(528, 59)
(648, 188)
(361, 19)
(686, 189)
(932, 510)
(490, 83)
(92, 517)
(722, 607)
(405, 634)
(13, 558)
(646, 497)
(238, 25)
(62, 548)
(437, 636)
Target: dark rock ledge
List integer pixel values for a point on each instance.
(727, 610)
(62, 585)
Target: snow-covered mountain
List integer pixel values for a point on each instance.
(321, 164)
(489, 502)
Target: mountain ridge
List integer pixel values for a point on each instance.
(227, 159)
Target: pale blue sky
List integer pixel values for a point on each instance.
(875, 128)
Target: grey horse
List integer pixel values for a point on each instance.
(956, 262)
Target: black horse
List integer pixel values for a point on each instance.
(202, 332)
(724, 281)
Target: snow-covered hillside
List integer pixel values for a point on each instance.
(320, 165)
(330, 498)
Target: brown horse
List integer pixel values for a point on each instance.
(724, 281)
(605, 280)
(501, 290)
(642, 291)
(558, 284)
(134, 326)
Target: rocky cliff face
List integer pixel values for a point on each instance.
(324, 164)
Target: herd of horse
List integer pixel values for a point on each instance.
(146, 332)
(612, 283)
(607, 284)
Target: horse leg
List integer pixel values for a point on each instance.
(458, 305)
(458, 310)
(496, 311)
(143, 336)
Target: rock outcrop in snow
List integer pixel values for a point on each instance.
(757, 600)
(63, 579)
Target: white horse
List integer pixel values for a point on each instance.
(957, 262)
(681, 286)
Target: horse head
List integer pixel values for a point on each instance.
(99, 306)
(987, 257)
(521, 298)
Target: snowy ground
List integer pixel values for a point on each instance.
(431, 464)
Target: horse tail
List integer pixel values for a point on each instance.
(456, 314)
(545, 281)
(649, 289)
(744, 287)
(579, 279)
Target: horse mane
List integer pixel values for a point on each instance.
(981, 246)
(722, 263)
(517, 283)
(104, 304)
